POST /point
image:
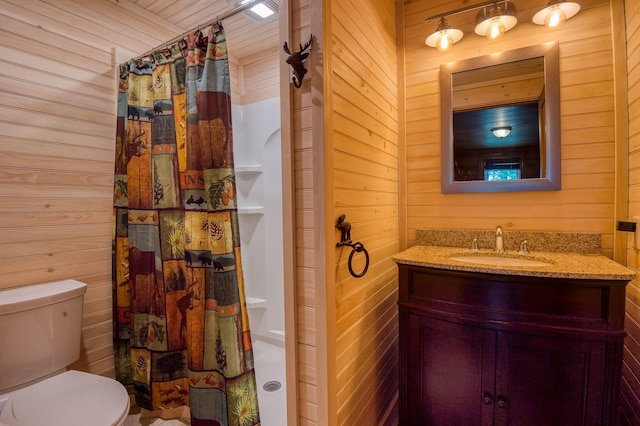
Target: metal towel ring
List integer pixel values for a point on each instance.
(357, 247)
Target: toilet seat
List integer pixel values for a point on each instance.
(72, 398)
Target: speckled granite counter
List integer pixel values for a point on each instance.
(567, 242)
(562, 265)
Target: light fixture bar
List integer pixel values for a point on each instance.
(465, 9)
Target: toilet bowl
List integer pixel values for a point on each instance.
(72, 398)
(40, 335)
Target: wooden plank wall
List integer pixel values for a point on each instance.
(306, 243)
(256, 78)
(57, 115)
(345, 161)
(57, 123)
(361, 137)
(630, 393)
(586, 201)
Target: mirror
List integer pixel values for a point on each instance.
(517, 93)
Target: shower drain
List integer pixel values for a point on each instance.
(272, 386)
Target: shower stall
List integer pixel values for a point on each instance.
(256, 133)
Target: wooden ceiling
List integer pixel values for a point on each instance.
(245, 35)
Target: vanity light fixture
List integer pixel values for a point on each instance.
(501, 131)
(494, 18)
(444, 37)
(556, 12)
(497, 20)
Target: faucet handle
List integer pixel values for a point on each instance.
(474, 244)
(523, 247)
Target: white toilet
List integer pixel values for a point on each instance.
(40, 329)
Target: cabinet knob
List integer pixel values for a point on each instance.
(502, 402)
(487, 399)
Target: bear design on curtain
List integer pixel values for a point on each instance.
(182, 334)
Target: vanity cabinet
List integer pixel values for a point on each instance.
(489, 349)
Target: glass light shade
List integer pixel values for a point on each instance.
(484, 27)
(556, 13)
(501, 132)
(444, 37)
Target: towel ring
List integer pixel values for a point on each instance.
(357, 247)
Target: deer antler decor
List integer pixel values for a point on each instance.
(296, 60)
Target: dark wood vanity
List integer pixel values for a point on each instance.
(499, 349)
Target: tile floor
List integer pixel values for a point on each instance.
(270, 366)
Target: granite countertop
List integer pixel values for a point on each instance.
(562, 265)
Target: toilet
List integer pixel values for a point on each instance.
(40, 334)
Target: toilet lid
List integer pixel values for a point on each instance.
(72, 398)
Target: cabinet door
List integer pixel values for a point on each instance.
(544, 381)
(450, 374)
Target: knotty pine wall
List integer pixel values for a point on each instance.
(361, 145)
(345, 151)
(630, 394)
(586, 201)
(57, 126)
(57, 114)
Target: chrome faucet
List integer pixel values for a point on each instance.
(499, 243)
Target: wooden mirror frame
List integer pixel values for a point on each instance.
(550, 154)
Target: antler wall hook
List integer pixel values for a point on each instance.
(296, 60)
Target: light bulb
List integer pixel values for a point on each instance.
(555, 17)
(444, 42)
(444, 37)
(495, 30)
(556, 13)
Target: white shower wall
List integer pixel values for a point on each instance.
(257, 152)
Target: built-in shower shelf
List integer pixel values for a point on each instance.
(259, 210)
(256, 302)
(249, 170)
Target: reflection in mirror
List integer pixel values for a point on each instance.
(500, 122)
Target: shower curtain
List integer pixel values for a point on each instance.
(181, 333)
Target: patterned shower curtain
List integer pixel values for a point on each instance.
(182, 333)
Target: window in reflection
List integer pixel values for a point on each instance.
(502, 169)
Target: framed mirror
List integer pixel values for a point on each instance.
(501, 121)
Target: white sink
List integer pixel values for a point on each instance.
(499, 260)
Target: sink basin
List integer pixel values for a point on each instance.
(499, 260)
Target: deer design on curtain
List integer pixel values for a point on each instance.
(182, 333)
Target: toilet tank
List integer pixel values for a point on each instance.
(40, 329)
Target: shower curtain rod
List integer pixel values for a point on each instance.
(225, 15)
